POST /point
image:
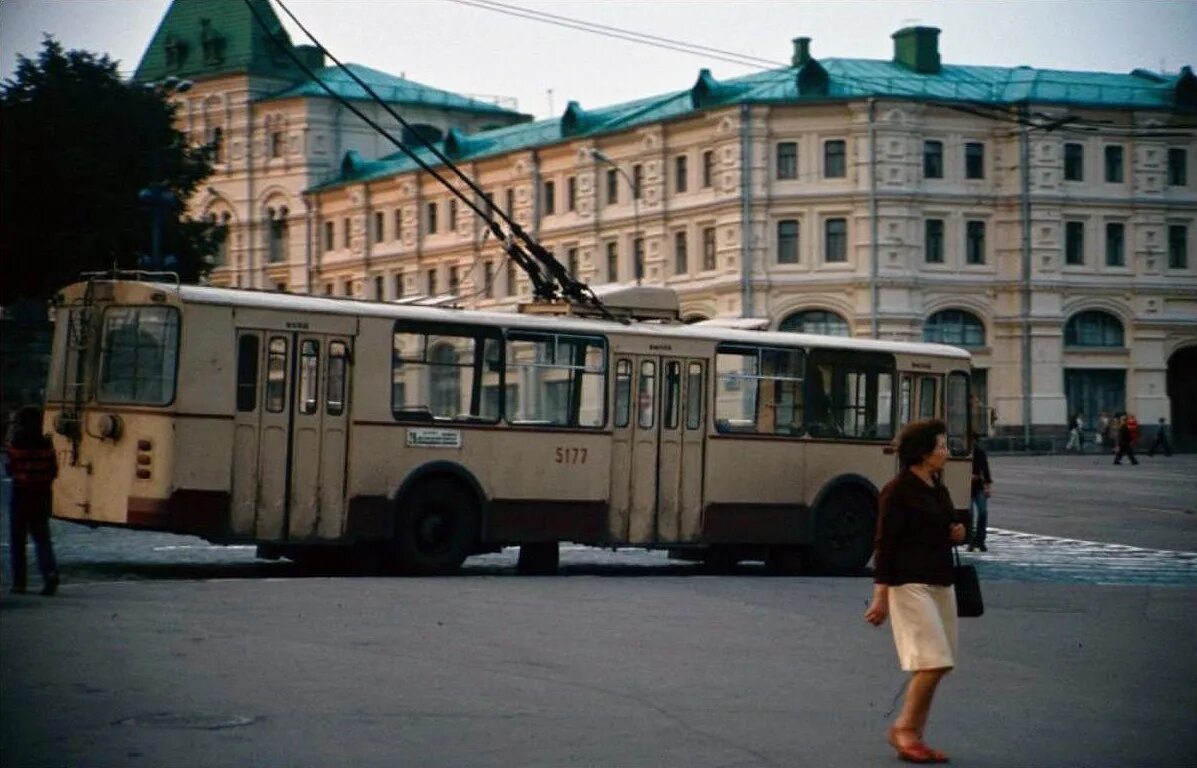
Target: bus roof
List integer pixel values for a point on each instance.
(240, 297)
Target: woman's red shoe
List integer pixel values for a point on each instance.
(919, 753)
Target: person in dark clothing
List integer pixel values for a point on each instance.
(982, 481)
(1161, 440)
(32, 466)
(913, 579)
(1126, 443)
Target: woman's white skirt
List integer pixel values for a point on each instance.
(924, 620)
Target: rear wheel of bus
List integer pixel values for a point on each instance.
(845, 524)
(436, 528)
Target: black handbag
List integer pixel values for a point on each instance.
(968, 589)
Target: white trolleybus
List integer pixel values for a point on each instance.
(416, 436)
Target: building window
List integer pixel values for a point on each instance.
(816, 321)
(379, 226)
(708, 168)
(1115, 244)
(974, 245)
(1074, 162)
(933, 241)
(637, 181)
(397, 224)
(432, 282)
(1178, 246)
(974, 160)
(836, 240)
(612, 186)
(398, 285)
(1114, 164)
(612, 262)
(345, 232)
(787, 160)
(571, 262)
(1074, 243)
(681, 256)
(454, 279)
(680, 174)
(834, 159)
(512, 286)
(1178, 171)
(276, 144)
(431, 208)
(1093, 329)
(488, 279)
(216, 144)
(452, 215)
(330, 239)
(511, 202)
(380, 288)
(277, 246)
(571, 193)
(708, 249)
(954, 326)
(550, 198)
(787, 241)
(932, 159)
(638, 257)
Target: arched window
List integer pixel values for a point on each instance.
(277, 234)
(816, 321)
(1093, 329)
(955, 326)
(220, 236)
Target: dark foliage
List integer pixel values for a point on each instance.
(77, 147)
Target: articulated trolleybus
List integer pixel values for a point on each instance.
(417, 436)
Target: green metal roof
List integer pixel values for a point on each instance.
(395, 90)
(205, 38)
(828, 80)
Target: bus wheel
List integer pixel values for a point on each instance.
(844, 531)
(538, 559)
(436, 528)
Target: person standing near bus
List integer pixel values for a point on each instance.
(982, 480)
(32, 467)
(913, 579)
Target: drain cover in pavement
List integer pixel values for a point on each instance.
(198, 721)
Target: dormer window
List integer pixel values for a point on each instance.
(176, 52)
(213, 43)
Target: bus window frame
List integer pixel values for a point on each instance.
(535, 335)
(868, 361)
(968, 426)
(247, 380)
(336, 407)
(102, 349)
(420, 414)
(723, 426)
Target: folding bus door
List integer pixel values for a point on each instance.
(318, 438)
(680, 449)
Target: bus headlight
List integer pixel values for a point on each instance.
(111, 427)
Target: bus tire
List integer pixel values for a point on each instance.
(436, 528)
(540, 558)
(845, 525)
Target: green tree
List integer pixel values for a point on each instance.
(78, 146)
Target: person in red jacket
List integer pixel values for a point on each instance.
(32, 466)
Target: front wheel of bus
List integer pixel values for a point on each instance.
(844, 530)
(436, 528)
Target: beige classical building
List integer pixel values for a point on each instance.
(1043, 219)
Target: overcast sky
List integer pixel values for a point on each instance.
(464, 48)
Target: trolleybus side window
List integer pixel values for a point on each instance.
(760, 389)
(334, 388)
(139, 355)
(850, 394)
(276, 374)
(695, 393)
(623, 392)
(555, 379)
(439, 372)
(309, 376)
(957, 412)
(646, 394)
(927, 397)
(247, 372)
(672, 394)
(906, 399)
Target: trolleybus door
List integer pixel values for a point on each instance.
(274, 436)
(656, 477)
(318, 437)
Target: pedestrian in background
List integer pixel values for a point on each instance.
(1132, 424)
(982, 481)
(1076, 435)
(1126, 445)
(913, 579)
(32, 467)
(1103, 428)
(1161, 440)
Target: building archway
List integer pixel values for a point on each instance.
(1182, 393)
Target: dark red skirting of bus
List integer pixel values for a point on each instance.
(201, 513)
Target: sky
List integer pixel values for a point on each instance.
(460, 47)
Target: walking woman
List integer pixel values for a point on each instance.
(32, 465)
(913, 579)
